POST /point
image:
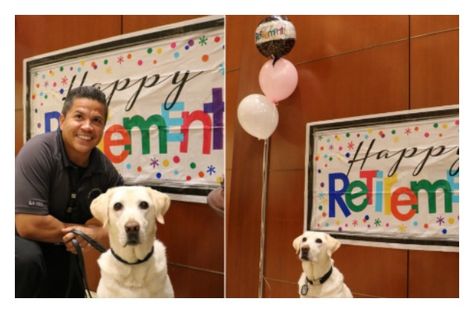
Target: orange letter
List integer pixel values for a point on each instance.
(109, 142)
(396, 201)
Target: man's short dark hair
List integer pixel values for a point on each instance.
(88, 92)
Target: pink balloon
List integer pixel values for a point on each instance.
(278, 81)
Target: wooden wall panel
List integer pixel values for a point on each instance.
(243, 216)
(324, 36)
(285, 216)
(433, 274)
(435, 69)
(373, 272)
(232, 102)
(235, 38)
(133, 23)
(232, 82)
(195, 283)
(193, 234)
(426, 24)
(18, 130)
(92, 268)
(280, 289)
(234, 42)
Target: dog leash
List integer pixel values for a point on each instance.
(77, 261)
(95, 244)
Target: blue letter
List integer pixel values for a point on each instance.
(174, 133)
(454, 182)
(48, 116)
(336, 195)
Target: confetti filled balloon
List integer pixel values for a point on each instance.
(275, 36)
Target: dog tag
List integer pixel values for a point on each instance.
(304, 289)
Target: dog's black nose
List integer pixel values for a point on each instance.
(304, 253)
(132, 229)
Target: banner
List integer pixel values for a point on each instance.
(388, 180)
(165, 93)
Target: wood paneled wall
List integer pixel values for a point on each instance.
(193, 233)
(347, 66)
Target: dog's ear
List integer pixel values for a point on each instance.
(297, 243)
(332, 243)
(99, 208)
(161, 203)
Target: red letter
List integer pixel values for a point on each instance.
(109, 142)
(396, 202)
(206, 130)
(369, 175)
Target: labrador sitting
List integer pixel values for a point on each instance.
(135, 265)
(320, 278)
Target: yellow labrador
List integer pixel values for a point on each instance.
(320, 278)
(135, 265)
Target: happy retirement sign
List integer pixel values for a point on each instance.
(386, 180)
(165, 93)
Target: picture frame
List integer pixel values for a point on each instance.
(388, 180)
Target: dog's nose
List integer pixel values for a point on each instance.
(304, 252)
(132, 227)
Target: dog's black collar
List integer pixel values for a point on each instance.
(321, 280)
(137, 261)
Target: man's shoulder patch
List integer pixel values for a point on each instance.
(37, 203)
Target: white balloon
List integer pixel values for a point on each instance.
(258, 116)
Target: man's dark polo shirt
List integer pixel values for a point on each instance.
(45, 179)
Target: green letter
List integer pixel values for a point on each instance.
(431, 191)
(144, 126)
(351, 196)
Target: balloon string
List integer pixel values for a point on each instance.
(263, 209)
